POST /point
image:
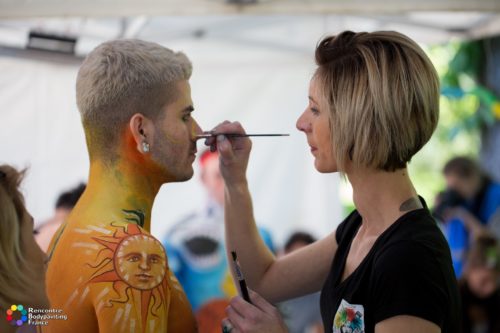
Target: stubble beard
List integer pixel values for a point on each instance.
(172, 162)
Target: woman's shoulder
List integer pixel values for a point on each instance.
(416, 228)
(417, 246)
(415, 240)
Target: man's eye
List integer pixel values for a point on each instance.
(133, 259)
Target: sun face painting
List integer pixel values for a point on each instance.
(136, 265)
(140, 261)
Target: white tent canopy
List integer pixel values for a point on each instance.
(102, 8)
(253, 67)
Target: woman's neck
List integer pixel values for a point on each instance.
(382, 197)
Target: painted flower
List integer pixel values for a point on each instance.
(350, 314)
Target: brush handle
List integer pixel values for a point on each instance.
(235, 135)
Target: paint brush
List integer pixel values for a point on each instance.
(235, 135)
(241, 279)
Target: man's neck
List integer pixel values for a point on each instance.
(121, 191)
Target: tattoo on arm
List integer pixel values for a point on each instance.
(410, 204)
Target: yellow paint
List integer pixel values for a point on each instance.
(106, 273)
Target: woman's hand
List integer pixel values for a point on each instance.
(233, 151)
(259, 317)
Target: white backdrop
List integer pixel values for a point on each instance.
(260, 84)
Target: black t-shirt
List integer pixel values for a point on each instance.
(408, 271)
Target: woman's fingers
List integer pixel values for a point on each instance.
(261, 303)
(225, 148)
(236, 317)
(261, 316)
(227, 327)
(225, 127)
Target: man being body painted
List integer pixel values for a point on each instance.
(106, 272)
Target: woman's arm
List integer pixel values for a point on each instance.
(407, 324)
(299, 273)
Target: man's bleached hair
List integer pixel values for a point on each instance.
(382, 94)
(120, 78)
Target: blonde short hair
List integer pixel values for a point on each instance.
(120, 78)
(14, 282)
(383, 96)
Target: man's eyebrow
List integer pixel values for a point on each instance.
(189, 109)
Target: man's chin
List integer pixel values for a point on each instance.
(183, 177)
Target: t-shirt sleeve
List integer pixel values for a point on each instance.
(408, 280)
(343, 227)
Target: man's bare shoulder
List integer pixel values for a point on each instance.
(115, 267)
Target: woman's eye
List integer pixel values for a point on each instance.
(314, 111)
(186, 117)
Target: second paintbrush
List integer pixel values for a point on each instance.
(241, 279)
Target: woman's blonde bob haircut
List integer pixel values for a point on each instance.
(382, 93)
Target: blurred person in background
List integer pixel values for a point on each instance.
(195, 244)
(301, 314)
(64, 204)
(468, 208)
(480, 287)
(22, 262)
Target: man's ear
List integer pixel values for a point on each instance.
(141, 129)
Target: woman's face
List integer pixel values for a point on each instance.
(36, 261)
(315, 124)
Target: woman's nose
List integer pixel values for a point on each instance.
(303, 124)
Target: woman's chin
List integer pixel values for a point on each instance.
(323, 168)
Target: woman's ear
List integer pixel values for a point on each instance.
(141, 129)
